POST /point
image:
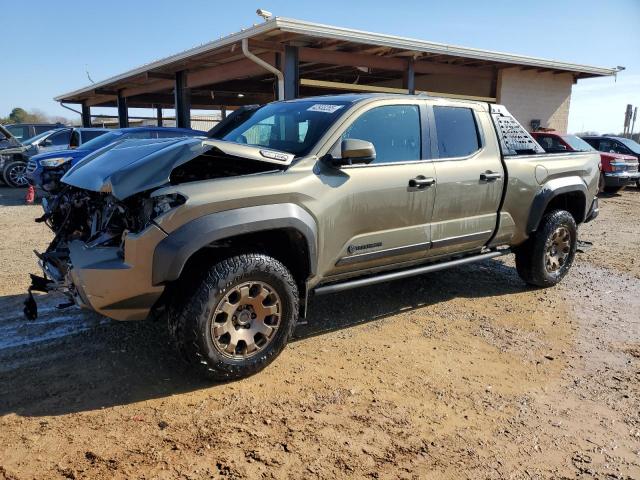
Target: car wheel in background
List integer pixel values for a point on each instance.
(546, 257)
(15, 174)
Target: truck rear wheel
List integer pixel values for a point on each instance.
(546, 257)
(238, 319)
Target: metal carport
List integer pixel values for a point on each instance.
(287, 58)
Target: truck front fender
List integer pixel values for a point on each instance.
(554, 189)
(172, 253)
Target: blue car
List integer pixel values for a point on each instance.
(45, 170)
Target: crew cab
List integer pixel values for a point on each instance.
(14, 160)
(613, 144)
(46, 169)
(617, 170)
(229, 236)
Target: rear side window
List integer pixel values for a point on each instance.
(394, 131)
(19, 131)
(457, 131)
(42, 128)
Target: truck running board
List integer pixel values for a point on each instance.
(385, 277)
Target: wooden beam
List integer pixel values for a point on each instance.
(330, 57)
(266, 45)
(350, 87)
(149, 88)
(229, 71)
(158, 75)
(397, 64)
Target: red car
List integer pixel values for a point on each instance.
(616, 169)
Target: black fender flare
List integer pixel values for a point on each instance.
(551, 190)
(172, 253)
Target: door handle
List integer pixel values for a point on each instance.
(489, 176)
(421, 182)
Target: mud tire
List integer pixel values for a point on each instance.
(530, 257)
(190, 318)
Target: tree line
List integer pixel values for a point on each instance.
(20, 115)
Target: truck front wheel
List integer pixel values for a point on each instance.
(238, 319)
(546, 257)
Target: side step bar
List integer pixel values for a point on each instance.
(385, 277)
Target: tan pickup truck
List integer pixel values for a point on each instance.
(229, 236)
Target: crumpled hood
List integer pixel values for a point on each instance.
(127, 167)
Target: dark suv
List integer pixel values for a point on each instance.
(613, 144)
(25, 131)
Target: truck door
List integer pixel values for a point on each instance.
(380, 212)
(470, 179)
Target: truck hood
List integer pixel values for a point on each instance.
(131, 166)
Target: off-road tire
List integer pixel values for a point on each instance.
(531, 256)
(190, 317)
(6, 173)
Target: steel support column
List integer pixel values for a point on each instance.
(409, 78)
(159, 116)
(123, 113)
(182, 100)
(291, 73)
(86, 116)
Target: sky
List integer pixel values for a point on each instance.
(57, 43)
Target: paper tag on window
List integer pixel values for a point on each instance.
(324, 107)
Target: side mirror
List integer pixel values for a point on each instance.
(562, 147)
(354, 151)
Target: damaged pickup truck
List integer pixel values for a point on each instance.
(229, 236)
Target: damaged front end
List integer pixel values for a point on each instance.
(90, 231)
(104, 218)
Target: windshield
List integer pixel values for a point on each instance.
(577, 144)
(632, 145)
(101, 141)
(292, 127)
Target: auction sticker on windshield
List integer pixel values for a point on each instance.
(324, 107)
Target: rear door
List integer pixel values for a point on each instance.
(470, 178)
(378, 214)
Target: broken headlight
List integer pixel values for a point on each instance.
(55, 162)
(164, 203)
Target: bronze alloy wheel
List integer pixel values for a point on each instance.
(246, 319)
(557, 249)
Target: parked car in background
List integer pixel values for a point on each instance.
(46, 169)
(24, 131)
(616, 171)
(612, 144)
(13, 161)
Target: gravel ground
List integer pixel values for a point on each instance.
(466, 373)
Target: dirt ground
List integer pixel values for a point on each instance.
(466, 373)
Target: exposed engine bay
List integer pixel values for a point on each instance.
(101, 219)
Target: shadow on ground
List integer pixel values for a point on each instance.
(11, 197)
(117, 363)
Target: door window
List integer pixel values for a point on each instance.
(59, 139)
(394, 131)
(550, 143)
(457, 131)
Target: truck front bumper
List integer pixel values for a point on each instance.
(116, 285)
(593, 211)
(620, 179)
